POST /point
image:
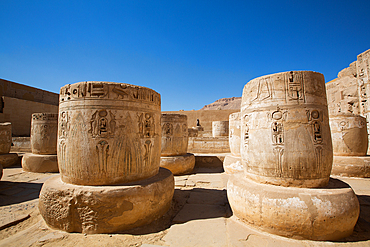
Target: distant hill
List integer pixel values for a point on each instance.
(224, 104)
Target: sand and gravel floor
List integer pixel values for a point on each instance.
(199, 216)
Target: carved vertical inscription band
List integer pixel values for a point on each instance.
(108, 133)
(285, 130)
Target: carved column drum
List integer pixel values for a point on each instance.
(5, 137)
(220, 128)
(174, 134)
(44, 133)
(234, 133)
(349, 134)
(285, 130)
(108, 133)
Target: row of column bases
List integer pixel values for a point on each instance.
(288, 193)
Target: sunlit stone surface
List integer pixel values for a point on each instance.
(232, 162)
(6, 159)
(44, 130)
(175, 144)
(287, 155)
(109, 146)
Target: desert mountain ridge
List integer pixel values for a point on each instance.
(224, 104)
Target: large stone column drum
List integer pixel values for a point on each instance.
(232, 162)
(287, 155)
(350, 144)
(109, 142)
(6, 158)
(174, 154)
(220, 128)
(44, 129)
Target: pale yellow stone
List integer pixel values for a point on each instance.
(44, 129)
(203, 144)
(105, 209)
(5, 137)
(234, 133)
(232, 164)
(108, 133)
(327, 213)
(174, 134)
(351, 166)
(286, 137)
(220, 128)
(40, 162)
(180, 164)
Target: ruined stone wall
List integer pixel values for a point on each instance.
(205, 117)
(19, 113)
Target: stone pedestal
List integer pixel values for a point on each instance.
(44, 129)
(287, 155)
(109, 155)
(350, 144)
(174, 154)
(232, 162)
(6, 159)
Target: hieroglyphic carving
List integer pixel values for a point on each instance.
(167, 129)
(245, 132)
(146, 125)
(264, 90)
(315, 118)
(277, 130)
(63, 124)
(185, 130)
(279, 152)
(318, 156)
(102, 124)
(120, 91)
(148, 146)
(295, 86)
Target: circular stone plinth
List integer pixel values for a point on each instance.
(7, 160)
(180, 164)
(351, 166)
(40, 163)
(328, 213)
(105, 209)
(232, 164)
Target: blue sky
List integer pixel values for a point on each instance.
(191, 52)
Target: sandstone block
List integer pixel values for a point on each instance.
(349, 134)
(5, 137)
(285, 129)
(220, 128)
(232, 164)
(40, 162)
(44, 129)
(10, 159)
(105, 209)
(1, 171)
(180, 164)
(174, 134)
(108, 133)
(351, 166)
(234, 133)
(328, 213)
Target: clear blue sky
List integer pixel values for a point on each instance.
(191, 52)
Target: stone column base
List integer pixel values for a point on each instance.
(232, 164)
(328, 213)
(105, 209)
(180, 164)
(351, 166)
(40, 163)
(9, 159)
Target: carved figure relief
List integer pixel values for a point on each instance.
(167, 129)
(102, 124)
(146, 125)
(102, 149)
(295, 86)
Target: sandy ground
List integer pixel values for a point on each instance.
(199, 216)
